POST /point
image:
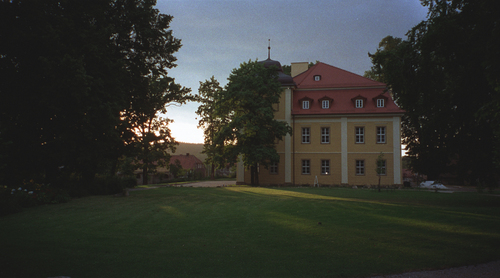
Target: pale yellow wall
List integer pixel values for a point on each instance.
(370, 177)
(370, 144)
(280, 114)
(333, 178)
(266, 178)
(315, 144)
(315, 151)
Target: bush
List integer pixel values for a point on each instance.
(30, 194)
(108, 185)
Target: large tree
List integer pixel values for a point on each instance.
(212, 118)
(73, 72)
(152, 140)
(442, 75)
(251, 131)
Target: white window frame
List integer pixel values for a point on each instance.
(381, 134)
(360, 167)
(273, 168)
(305, 104)
(306, 135)
(380, 102)
(359, 135)
(359, 103)
(325, 167)
(325, 135)
(325, 104)
(317, 77)
(306, 167)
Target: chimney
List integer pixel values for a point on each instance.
(299, 67)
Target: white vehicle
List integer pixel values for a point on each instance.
(432, 185)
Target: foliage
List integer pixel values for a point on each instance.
(79, 78)
(176, 169)
(210, 94)
(152, 138)
(107, 185)
(380, 168)
(445, 75)
(247, 116)
(31, 194)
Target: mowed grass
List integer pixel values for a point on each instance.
(251, 232)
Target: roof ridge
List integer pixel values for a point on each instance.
(333, 76)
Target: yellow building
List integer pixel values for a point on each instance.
(341, 123)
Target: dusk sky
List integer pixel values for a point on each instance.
(218, 35)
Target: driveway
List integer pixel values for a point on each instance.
(207, 184)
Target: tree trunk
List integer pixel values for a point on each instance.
(256, 176)
(145, 174)
(212, 174)
(252, 175)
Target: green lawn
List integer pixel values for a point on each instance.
(251, 232)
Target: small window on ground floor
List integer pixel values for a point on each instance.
(360, 167)
(306, 167)
(325, 167)
(273, 168)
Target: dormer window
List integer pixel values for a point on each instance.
(305, 102)
(380, 100)
(325, 104)
(317, 77)
(359, 103)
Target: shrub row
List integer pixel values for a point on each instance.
(30, 194)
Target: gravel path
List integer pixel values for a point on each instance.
(488, 270)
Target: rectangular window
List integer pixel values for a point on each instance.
(359, 103)
(273, 168)
(325, 135)
(381, 135)
(306, 135)
(305, 104)
(381, 167)
(325, 104)
(360, 135)
(306, 167)
(325, 167)
(360, 167)
(380, 102)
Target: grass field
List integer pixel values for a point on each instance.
(251, 232)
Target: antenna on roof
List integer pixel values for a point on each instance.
(269, 50)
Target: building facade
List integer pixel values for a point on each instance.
(342, 124)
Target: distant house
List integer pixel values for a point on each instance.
(190, 163)
(193, 167)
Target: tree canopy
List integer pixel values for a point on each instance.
(248, 127)
(212, 118)
(445, 75)
(78, 79)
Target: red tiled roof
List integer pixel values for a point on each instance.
(342, 87)
(188, 161)
(332, 77)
